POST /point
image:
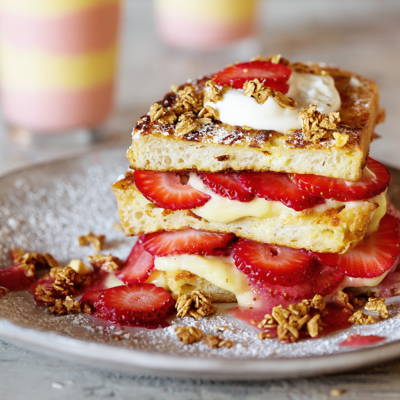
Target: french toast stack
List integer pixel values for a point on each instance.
(256, 181)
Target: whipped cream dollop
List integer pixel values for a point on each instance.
(237, 109)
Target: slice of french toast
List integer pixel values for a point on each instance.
(216, 146)
(336, 230)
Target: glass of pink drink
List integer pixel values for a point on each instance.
(204, 24)
(57, 62)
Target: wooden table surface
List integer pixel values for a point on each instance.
(359, 35)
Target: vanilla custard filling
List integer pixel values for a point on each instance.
(222, 272)
(237, 109)
(222, 209)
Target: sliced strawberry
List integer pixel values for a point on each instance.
(375, 255)
(278, 187)
(272, 75)
(138, 266)
(165, 190)
(134, 304)
(373, 182)
(186, 241)
(269, 264)
(227, 185)
(324, 280)
(90, 298)
(15, 279)
(391, 210)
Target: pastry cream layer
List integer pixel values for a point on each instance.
(221, 272)
(221, 11)
(222, 209)
(36, 69)
(50, 7)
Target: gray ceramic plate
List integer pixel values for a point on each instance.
(45, 207)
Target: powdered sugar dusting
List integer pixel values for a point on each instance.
(46, 207)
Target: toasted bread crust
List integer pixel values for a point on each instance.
(333, 231)
(220, 147)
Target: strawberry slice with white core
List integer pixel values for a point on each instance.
(186, 241)
(375, 255)
(165, 190)
(227, 185)
(374, 181)
(266, 264)
(134, 304)
(138, 266)
(278, 186)
(272, 75)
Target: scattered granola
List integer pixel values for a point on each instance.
(317, 126)
(107, 263)
(161, 114)
(189, 334)
(66, 279)
(256, 89)
(208, 112)
(187, 123)
(263, 335)
(187, 101)
(216, 342)
(91, 238)
(44, 295)
(362, 319)
(285, 101)
(377, 305)
(318, 302)
(213, 94)
(67, 306)
(314, 325)
(196, 305)
(342, 300)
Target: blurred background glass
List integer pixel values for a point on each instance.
(57, 63)
(358, 35)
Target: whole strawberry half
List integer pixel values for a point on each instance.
(187, 241)
(278, 186)
(376, 254)
(138, 266)
(134, 304)
(226, 185)
(272, 75)
(267, 264)
(373, 182)
(165, 190)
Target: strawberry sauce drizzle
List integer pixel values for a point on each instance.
(360, 341)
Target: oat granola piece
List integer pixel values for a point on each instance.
(215, 342)
(342, 300)
(162, 115)
(256, 89)
(50, 260)
(189, 334)
(362, 319)
(263, 335)
(280, 315)
(187, 123)
(66, 306)
(187, 101)
(65, 280)
(314, 325)
(221, 328)
(287, 333)
(58, 308)
(318, 302)
(107, 263)
(195, 305)
(285, 101)
(209, 113)
(268, 322)
(91, 238)
(377, 305)
(44, 295)
(316, 126)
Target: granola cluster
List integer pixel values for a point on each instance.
(189, 334)
(195, 305)
(91, 238)
(256, 89)
(29, 261)
(297, 66)
(291, 321)
(66, 306)
(107, 263)
(213, 94)
(317, 126)
(216, 341)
